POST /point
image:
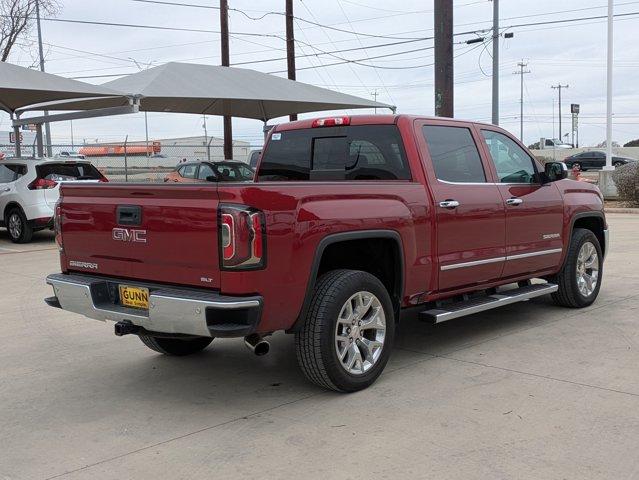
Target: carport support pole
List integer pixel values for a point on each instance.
(16, 134)
(224, 31)
(39, 142)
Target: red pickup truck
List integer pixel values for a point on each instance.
(351, 224)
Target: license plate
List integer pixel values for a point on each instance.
(136, 297)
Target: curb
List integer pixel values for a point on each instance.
(634, 211)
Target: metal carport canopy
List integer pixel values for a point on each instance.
(212, 90)
(21, 87)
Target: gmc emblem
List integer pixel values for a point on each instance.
(129, 235)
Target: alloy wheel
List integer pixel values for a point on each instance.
(360, 333)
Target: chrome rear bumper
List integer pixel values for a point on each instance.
(171, 310)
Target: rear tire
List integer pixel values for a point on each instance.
(18, 227)
(584, 261)
(178, 347)
(347, 336)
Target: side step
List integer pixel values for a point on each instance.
(476, 305)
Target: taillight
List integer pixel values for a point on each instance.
(41, 184)
(242, 237)
(331, 122)
(57, 224)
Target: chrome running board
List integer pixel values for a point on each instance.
(481, 304)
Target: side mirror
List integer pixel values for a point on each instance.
(554, 171)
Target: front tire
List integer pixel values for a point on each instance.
(178, 347)
(347, 336)
(18, 227)
(580, 278)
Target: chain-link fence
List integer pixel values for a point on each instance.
(137, 162)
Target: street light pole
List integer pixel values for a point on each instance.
(47, 127)
(609, 88)
(559, 87)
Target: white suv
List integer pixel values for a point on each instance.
(30, 188)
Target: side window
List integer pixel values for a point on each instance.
(10, 173)
(205, 171)
(512, 163)
(550, 143)
(454, 154)
(599, 155)
(6, 174)
(188, 171)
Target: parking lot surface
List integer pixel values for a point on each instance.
(526, 391)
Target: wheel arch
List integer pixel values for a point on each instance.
(10, 206)
(351, 241)
(593, 221)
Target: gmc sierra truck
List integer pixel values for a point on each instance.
(351, 224)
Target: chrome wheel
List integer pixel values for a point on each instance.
(360, 332)
(15, 225)
(587, 269)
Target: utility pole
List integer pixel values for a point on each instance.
(444, 79)
(609, 88)
(521, 73)
(374, 95)
(224, 31)
(47, 127)
(558, 87)
(495, 62)
(290, 46)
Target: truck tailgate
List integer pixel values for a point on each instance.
(165, 233)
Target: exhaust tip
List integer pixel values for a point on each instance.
(257, 344)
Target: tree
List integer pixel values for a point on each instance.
(632, 143)
(17, 17)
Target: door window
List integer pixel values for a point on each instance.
(454, 154)
(188, 171)
(512, 163)
(205, 171)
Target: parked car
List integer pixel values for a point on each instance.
(550, 143)
(70, 154)
(29, 190)
(352, 224)
(226, 171)
(594, 160)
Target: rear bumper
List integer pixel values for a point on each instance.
(171, 310)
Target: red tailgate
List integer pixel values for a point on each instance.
(154, 233)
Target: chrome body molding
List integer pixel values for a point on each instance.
(500, 259)
(171, 310)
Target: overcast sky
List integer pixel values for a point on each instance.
(570, 53)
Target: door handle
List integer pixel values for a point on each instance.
(514, 201)
(450, 204)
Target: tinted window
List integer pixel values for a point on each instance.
(205, 171)
(598, 154)
(512, 163)
(188, 171)
(454, 154)
(363, 152)
(68, 171)
(10, 173)
(232, 172)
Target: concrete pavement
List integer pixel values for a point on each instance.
(527, 391)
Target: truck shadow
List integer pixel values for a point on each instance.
(228, 372)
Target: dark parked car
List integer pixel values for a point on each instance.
(594, 160)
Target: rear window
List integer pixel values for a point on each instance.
(362, 152)
(60, 172)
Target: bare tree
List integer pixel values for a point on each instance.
(17, 17)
